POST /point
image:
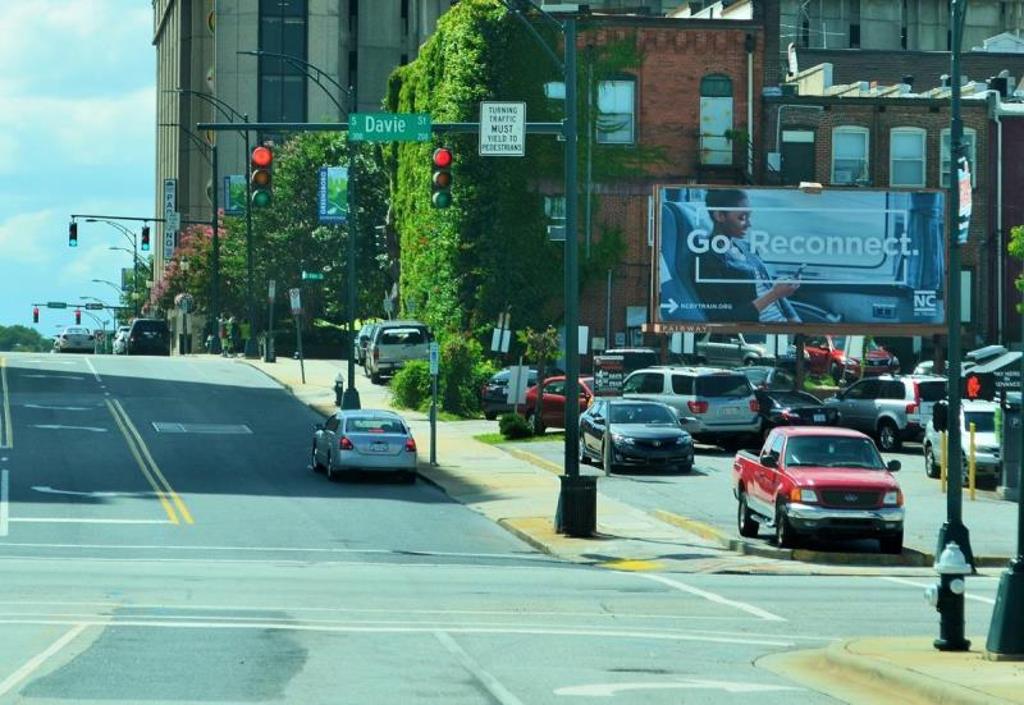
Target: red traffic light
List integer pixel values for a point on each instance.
(973, 387)
(442, 157)
(35, 314)
(78, 317)
(262, 157)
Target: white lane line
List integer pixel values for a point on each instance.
(62, 427)
(607, 690)
(58, 408)
(33, 664)
(713, 597)
(77, 378)
(71, 520)
(294, 549)
(4, 516)
(493, 686)
(92, 369)
(913, 583)
(406, 629)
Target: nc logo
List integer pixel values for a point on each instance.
(924, 300)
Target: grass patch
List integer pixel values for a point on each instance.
(496, 438)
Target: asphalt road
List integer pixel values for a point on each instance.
(149, 562)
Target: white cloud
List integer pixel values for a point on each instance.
(22, 236)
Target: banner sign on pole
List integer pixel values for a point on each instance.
(964, 182)
(782, 257)
(170, 207)
(435, 358)
(332, 207)
(271, 290)
(234, 194)
(294, 296)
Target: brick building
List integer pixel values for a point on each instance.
(867, 135)
(697, 80)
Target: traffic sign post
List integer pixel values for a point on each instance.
(502, 129)
(312, 276)
(268, 341)
(389, 127)
(435, 367)
(295, 296)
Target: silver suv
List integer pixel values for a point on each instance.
(731, 349)
(721, 403)
(892, 407)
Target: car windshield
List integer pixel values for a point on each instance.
(833, 452)
(734, 385)
(402, 336)
(756, 375)
(984, 421)
(641, 413)
(365, 424)
(931, 391)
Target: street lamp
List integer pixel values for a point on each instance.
(350, 397)
(133, 240)
(577, 502)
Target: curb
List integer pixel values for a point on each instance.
(536, 460)
(937, 692)
(527, 537)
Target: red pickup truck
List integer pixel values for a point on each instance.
(813, 481)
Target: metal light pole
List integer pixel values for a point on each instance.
(350, 397)
(133, 239)
(953, 529)
(577, 501)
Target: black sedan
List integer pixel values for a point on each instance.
(625, 432)
(494, 394)
(793, 409)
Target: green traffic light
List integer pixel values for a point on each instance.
(261, 198)
(441, 199)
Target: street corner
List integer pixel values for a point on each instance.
(540, 533)
(901, 670)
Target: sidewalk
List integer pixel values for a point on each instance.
(903, 670)
(511, 491)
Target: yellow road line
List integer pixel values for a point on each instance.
(142, 465)
(7, 430)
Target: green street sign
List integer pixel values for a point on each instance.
(93, 306)
(56, 304)
(389, 127)
(312, 276)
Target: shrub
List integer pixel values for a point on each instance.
(463, 372)
(410, 387)
(514, 426)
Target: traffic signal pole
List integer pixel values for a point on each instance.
(250, 275)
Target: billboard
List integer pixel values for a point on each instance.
(234, 194)
(782, 258)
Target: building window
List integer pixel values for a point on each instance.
(970, 146)
(855, 36)
(907, 156)
(405, 17)
(554, 207)
(805, 33)
(850, 155)
(282, 85)
(353, 15)
(616, 109)
(716, 120)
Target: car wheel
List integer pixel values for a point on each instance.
(490, 415)
(317, 467)
(607, 450)
(331, 475)
(744, 519)
(888, 436)
(582, 454)
(784, 536)
(685, 468)
(408, 477)
(930, 468)
(892, 544)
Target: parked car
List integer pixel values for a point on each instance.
(720, 402)
(818, 482)
(119, 345)
(892, 408)
(75, 339)
(770, 378)
(393, 344)
(792, 408)
(986, 443)
(553, 407)
(621, 432)
(148, 336)
(634, 358)
(827, 356)
(494, 393)
(362, 341)
(731, 349)
(364, 439)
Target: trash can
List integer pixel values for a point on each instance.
(577, 506)
(1010, 446)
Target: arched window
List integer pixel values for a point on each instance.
(850, 155)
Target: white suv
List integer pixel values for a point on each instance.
(721, 403)
(986, 444)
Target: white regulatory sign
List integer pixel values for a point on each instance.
(435, 358)
(295, 296)
(502, 129)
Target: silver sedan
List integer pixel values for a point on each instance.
(364, 439)
(75, 339)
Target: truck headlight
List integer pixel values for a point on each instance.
(800, 494)
(893, 498)
(617, 438)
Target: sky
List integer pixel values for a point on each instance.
(77, 135)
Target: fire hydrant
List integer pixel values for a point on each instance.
(948, 598)
(339, 389)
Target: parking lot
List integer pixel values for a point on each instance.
(706, 495)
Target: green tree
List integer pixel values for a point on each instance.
(22, 339)
(1016, 249)
(541, 347)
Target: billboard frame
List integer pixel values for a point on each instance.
(869, 329)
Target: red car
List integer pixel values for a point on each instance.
(818, 481)
(553, 408)
(827, 356)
